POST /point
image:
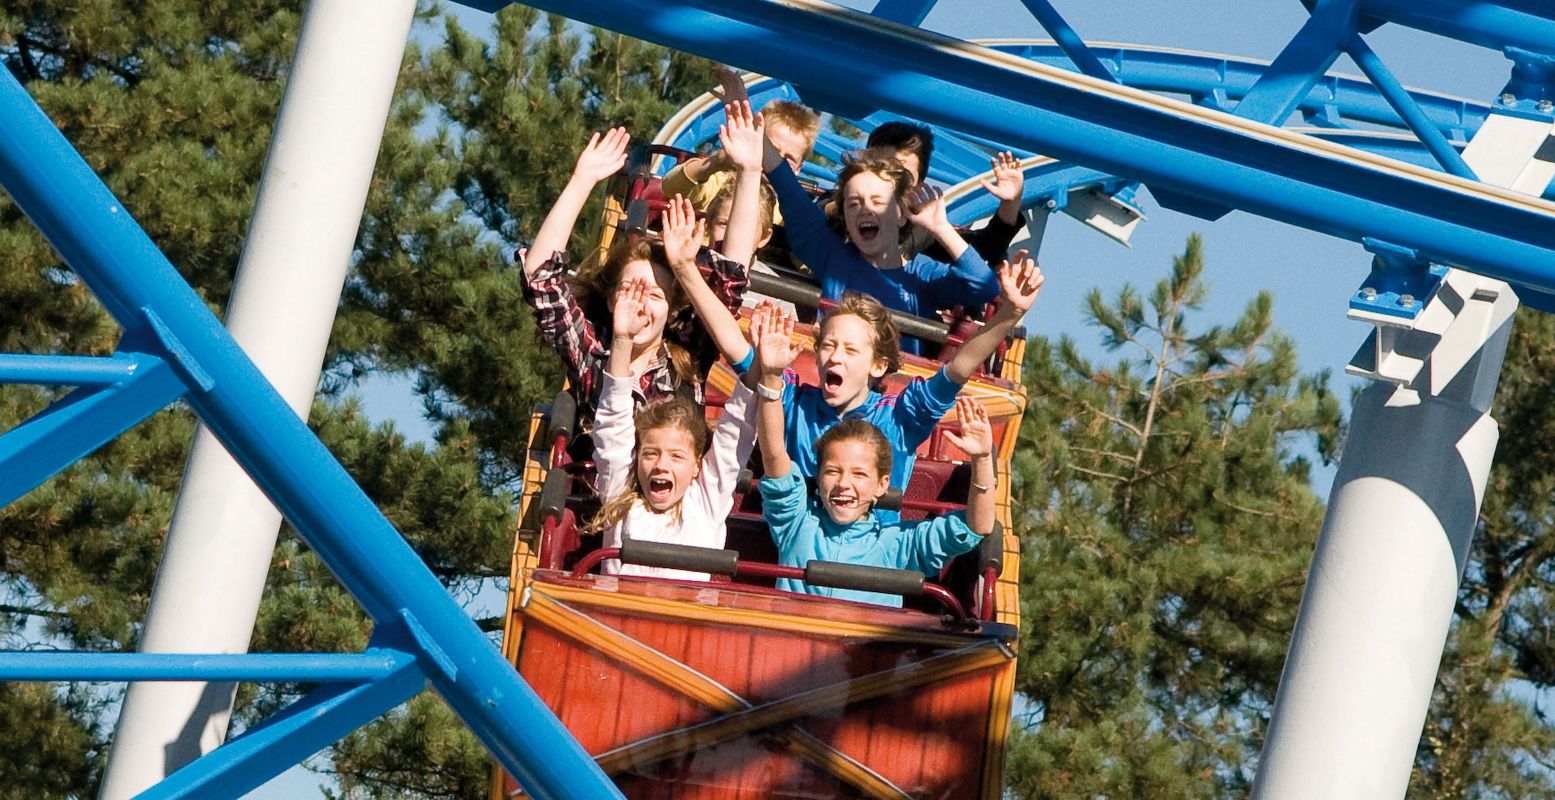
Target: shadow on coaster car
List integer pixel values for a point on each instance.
(731, 688)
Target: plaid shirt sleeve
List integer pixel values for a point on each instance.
(563, 326)
(728, 279)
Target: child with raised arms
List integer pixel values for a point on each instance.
(878, 203)
(838, 523)
(672, 352)
(660, 478)
(856, 347)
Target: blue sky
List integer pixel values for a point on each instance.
(1311, 275)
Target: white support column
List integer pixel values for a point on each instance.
(1379, 597)
(283, 303)
(1380, 594)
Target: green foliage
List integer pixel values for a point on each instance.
(1487, 735)
(173, 101)
(1167, 530)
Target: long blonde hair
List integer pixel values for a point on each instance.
(671, 412)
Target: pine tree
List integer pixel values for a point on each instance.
(1168, 527)
(1488, 734)
(172, 103)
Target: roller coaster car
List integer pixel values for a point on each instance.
(730, 688)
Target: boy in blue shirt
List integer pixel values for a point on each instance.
(856, 346)
(878, 202)
(855, 460)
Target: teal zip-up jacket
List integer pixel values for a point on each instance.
(804, 532)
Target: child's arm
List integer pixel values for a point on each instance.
(1019, 281)
(1007, 185)
(925, 208)
(970, 281)
(772, 332)
(733, 439)
(613, 434)
(742, 137)
(601, 158)
(626, 321)
(682, 239)
(976, 440)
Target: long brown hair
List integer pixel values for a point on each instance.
(596, 280)
(671, 412)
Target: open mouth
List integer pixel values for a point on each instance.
(842, 501)
(832, 380)
(867, 231)
(659, 490)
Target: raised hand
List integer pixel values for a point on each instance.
(772, 334)
(731, 87)
(743, 136)
(1019, 281)
(630, 314)
(976, 437)
(1008, 179)
(603, 156)
(926, 208)
(683, 233)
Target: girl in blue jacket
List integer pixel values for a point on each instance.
(854, 471)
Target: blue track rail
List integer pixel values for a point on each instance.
(1207, 146)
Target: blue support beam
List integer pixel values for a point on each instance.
(1298, 67)
(72, 208)
(323, 717)
(1160, 142)
(69, 370)
(1526, 24)
(32, 665)
(85, 419)
(1073, 46)
(1398, 97)
(904, 12)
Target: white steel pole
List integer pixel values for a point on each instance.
(284, 297)
(1379, 598)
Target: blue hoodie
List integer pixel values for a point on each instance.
(804, 532)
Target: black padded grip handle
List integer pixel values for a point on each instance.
(679, 556)
(904, 582)
(553, 494)
(563, 418)
(890, 501)
(990, 551)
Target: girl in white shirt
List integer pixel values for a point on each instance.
(677, 486)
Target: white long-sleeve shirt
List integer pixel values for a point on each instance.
(707, 502)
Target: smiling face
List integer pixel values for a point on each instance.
(872, 215)
(655, 301)
(846, 360)
(667, 463)
(849, 480)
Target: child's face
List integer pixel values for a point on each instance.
(790, 144)
(871, 214)
(845, 358)
(667, 463)
(849, 481)
(655, 302)
(718, 223)
(910, 162)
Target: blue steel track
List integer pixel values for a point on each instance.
(1212, 144)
